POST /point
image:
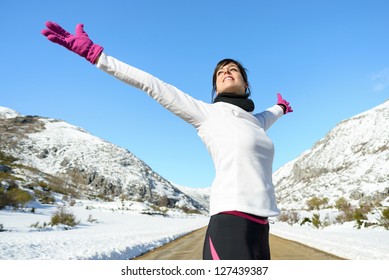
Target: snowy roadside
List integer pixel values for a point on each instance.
(110, 234)
(341, 240)
(109, 231)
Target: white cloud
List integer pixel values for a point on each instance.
(380, 80)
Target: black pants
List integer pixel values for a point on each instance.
(231, 237)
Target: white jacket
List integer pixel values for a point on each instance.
(241, 151)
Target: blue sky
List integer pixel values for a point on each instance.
(329, 59)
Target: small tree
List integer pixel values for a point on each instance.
(348, 210)
(316, 220)
(4, 199)
(305, 220)
(359, 217)
(383, 220)
(20, 197)
(14, 197)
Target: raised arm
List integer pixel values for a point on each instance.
(272, 114)
(179, 103)
(176, 101)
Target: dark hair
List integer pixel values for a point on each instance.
(243, 72)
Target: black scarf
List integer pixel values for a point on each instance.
(241, 101)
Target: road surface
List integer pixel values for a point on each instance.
(190, 246)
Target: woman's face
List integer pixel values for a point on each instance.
(230, 80)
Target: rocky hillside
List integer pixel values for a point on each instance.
(50, 154)
(351, 161)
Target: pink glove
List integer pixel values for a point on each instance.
(284, 104)
(78, 43)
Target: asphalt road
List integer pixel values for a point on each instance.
(190, 246)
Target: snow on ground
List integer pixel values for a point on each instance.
(341, 240)
(118, 232)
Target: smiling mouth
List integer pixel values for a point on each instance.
(227, 78)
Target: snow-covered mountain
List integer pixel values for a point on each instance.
(55, 155)
(351, 161)
(44, 155)
(201, 195)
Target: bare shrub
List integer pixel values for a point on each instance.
(383, 220)
(342, 204)
(290, 217)
(14, 197)
(92, 220)
(316, 203)
(63, 217)
(283, 217)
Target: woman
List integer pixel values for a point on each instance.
(242, 194)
